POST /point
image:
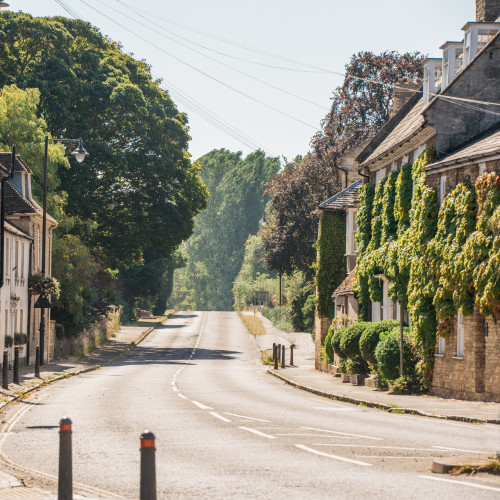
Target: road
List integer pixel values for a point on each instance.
(226, 428)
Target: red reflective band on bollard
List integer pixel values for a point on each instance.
(65, 427)
(147, 443)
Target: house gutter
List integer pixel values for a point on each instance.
(2, 216)
(345, 172)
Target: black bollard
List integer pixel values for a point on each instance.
(274, 350)
(5, 378)
(291, 354)
(37, 362)
(279, 353)
(148, 467)
(65, 486)
(283, 357)
(16, 364)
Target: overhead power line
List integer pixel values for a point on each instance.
(277, 110)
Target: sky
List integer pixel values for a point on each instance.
(214, 56)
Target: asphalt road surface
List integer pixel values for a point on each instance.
(226, 428)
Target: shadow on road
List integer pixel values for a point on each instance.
(177, 355)
(184, 316)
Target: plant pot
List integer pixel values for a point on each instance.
(357, 379)
(345, 377)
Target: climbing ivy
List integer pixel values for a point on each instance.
(330, 265)
(480, 257)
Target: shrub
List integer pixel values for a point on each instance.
(407, 385)
(387, 355)
(353, 367)
(328, 347)
(279, 316)
(335, 342)
(308, 313)
(349, 342)
(371, 337)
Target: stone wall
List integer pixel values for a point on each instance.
(492, 359)
(487, 10)
(463, 377)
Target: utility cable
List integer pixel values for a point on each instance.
(213, 59)
(201, 71)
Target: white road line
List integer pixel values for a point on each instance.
(175, 389)
(342, 433)
(453, 481)
(458, 449)
(316, 435)
(333, 408)
(201, 405)
(258, 432)
(220, 417)
(181, 395)
(377, 447)
(247, 418)
(328, 455)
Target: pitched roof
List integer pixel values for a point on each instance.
(11, 228)
(347, 198)
(480, 146)
(6, 162)
(16, 204)
(346, 287)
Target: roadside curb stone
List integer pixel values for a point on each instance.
(381, 406)
(447, 464)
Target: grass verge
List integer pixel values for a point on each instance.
(253, 324)
(493, 467)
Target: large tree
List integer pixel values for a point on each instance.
(215, 251)
(359, 108)
(136, 137)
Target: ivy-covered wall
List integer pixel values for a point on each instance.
(439, 260)
(331, 263)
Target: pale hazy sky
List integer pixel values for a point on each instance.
(321, 33)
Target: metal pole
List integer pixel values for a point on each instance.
(283, 357)
(44, 243)
(148, 467)
(5, 378)
(291, 354)
(65, 486)
(275, 352)
(16, 364)
(279, 353)
(280, 287)
(401, 372)
(37, 362)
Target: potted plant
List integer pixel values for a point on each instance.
(38, 284)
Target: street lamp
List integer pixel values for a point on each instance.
(3, 5)
(79, 153)
(111, 203)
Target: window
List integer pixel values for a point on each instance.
(442, 188)
(387, 305)
(467, 41)
(419, 151)
(22, 261)
(7, 256)
(460, 335)
(354, 226)
(16, 265)
(21, 321)
(482, 168)
(376, 311)
(379, 175)
(441, 344)
(394, 166)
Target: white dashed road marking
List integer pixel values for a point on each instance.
(342, 433)
(463, 483)
(220, 417)
(254, 431)
(328, 455)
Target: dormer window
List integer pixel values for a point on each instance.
(477, 36)
(432, 78)
(452, 61)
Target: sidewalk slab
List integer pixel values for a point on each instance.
(304, 376)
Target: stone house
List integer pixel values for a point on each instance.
(466, 137)
(23, 256)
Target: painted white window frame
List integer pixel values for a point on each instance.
(419, 151)
(441, 346)
(460, 336)
(482, 168)
(379, 175)
(376, 312)
(387, 304)
(442, 188)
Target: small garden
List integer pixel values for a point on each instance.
(373, 350)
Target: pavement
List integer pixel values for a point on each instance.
(119, 345)
(304, 376)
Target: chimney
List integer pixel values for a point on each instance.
(487, 11)
(405, 89)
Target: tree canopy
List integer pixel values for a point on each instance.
(137, 140)
(215, 251)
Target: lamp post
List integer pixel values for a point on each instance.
(79, 153)
(3, 5)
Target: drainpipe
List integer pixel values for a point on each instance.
(367, 177)
(2, 216)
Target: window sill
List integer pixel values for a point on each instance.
(439, 355)
(458, 357)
